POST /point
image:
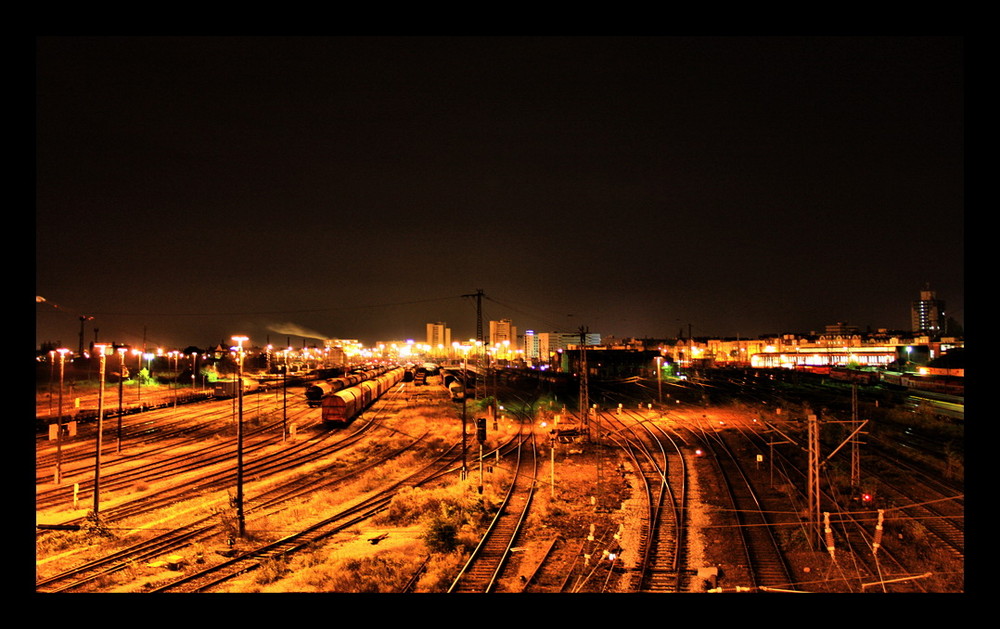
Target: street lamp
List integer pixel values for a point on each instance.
(284, 396)
(176, 355)
(62, 371)
(239, 439)
(138, 374)
(121, 392)
(659, 378)
(194, 371)
(100, 430)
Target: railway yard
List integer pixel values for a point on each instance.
(705, 490)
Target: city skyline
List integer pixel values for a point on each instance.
(439, 333)
(192, 188)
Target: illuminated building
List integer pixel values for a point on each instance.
(530, 346)
(439, 338)
(501, 331)
(927, 313)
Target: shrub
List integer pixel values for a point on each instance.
(441, 535)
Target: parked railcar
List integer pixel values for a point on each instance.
(342, 407)
(230, 388)
(316, 392)
(857, 376)
(949, 385)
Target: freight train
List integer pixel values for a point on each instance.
(341, 408)
(949, 385)
(317, 392)
(856, 376)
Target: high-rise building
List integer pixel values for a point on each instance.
(927, 313)
(501, 331)
(530, 345)
(439, 337)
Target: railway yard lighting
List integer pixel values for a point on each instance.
(138, 373)
(62, 372)
(659, 377)
(121, 392)
(241, 523)
(284, 396)
(100, 430)
(194, 371)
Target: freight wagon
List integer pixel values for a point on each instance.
(343, 407)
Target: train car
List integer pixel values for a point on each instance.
(948, 385)
(856, 376)
(316, 392)
(229, 388)
(892, 380)
(342, 407)
(456, 390)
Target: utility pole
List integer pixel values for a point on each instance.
(813, 476)
(855, 443)
(479, 336)
(584, 390)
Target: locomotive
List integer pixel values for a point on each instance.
(341, 408)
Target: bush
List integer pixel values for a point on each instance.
(441, 535)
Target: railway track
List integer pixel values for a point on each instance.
(859, 557)
(659, 462)
(310, 536)
(483, 570)
(204, 527)
(154, 454)
(766, 565)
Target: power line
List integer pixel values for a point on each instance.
(272, 312)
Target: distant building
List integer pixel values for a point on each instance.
(550, 343)
(503, 331)
(439, 338)
(927, 315)
(840, 329)
(530, 346)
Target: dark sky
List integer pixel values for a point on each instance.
(190, 189)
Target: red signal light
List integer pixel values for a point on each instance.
(866, 497)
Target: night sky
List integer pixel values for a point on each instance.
(190, 189)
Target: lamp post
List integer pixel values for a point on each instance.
(659, 378)
(52, 370)
(121, 392)
(100, 431)
(177, 372)
(241, 523)
(194, 371)
(138, 374)
(62, 371)
(465, 395)
(284, 396)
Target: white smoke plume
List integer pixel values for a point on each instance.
(292, 329)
